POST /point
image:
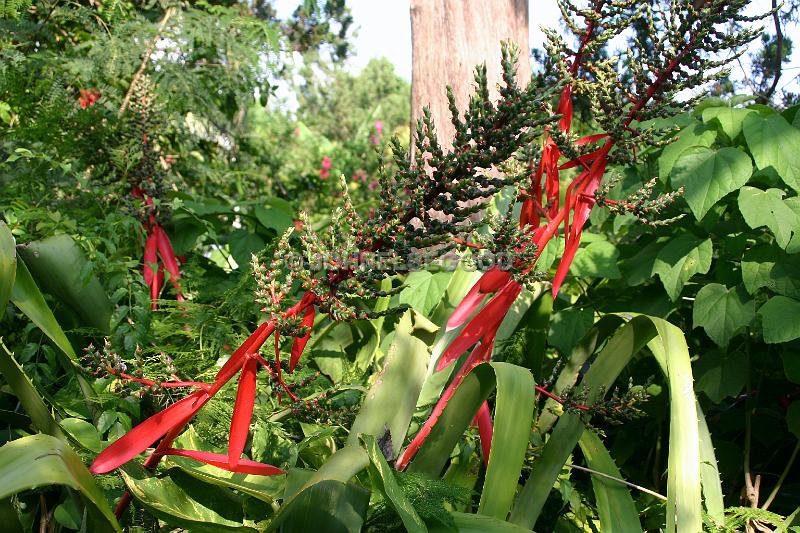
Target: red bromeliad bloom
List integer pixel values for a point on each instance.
(88, 97)
(158, 246)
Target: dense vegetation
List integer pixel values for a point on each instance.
(163, 211)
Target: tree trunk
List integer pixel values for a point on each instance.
(449, 38)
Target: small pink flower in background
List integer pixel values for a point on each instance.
(325, 168)
(375, 139)
(296, 132)
(372, 185)
(379, 127)
(360, 175)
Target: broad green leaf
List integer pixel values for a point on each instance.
(58, 265)
(639, 268)
(721, 375)
(513, 414)
(597, 260)
(767, 208)
(774, 143)
(390, 489)
(779, 319)
(729, 118)
(276, 215)
(182, 501)
(27, 297)
(791, 365)
(721, 312)
(423, 290)
(319, 490)
(390, 402)
(794, 243)
(43, 461)
(8, 265)
(667, 344)
(767, 266)
(329, 505)
(84, 433)
(568, 326)
(26, 393)
(695, 134)
(243, 245)
(708, 175)
(679, 260)
(614, 503)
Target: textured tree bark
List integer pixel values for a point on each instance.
(449, 38)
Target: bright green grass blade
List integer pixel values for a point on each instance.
(709, 473)
(8, 265)
(391, 490)
(614, 503)
(391, 400)
(512, 421)
(27, 297)
(44, 461)
(27, 395)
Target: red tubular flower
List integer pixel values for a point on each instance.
(145, 434)
(245, 466)
(242, 411)
(168, 258)
(485, 429)
(299, 343)
(489, 282)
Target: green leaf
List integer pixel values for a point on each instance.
(43, 461)
(58, 264)
(84, 433)
(390, 489)
(729, 118)
(767, 208)
(8, 265)
(27, 297)
(695, 134)
(721, 375)
(390, 402)
(639, 268)
(708, 175)
(722, 312)
(476, 523)
(568, 326)
(681, 258)
(767, 266)
(329, 506)
(668, 346)
(614, 503)
(779, 319)
(243, 244)
(793, 418)
(26, 393)
(277, 215)
(512, 423)
(597, 260)
(774, 143)
(709, 472)
(182, 501)
(423, 290)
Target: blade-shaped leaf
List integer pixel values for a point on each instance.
(8, 265)
(614, 503)
(513, 416)
(390, 488)
(44, 461)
